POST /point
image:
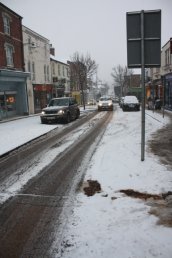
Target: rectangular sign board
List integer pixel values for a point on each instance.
(151, 37)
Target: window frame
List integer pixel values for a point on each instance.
(45, 73)
(6, 22)
(59, 69)
(9, 50)
(33, 71)
(48, 73)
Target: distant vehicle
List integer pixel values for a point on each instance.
(60, 109)
(121, 102)
(130, 103)
(91, 102)
(115, 100)
(105, 103)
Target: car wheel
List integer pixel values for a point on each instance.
(67, 120)
(78, 114)
(43, 121)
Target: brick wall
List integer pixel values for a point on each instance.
(15, 39)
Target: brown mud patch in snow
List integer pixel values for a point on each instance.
(161, 205)
(91, 187)
(161, 143)
(136, 194)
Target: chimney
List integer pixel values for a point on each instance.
(52, 51)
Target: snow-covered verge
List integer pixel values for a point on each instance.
(109, 223)
(20, 131)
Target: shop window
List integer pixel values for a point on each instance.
(7, 102)
(2, 103)
(11, 102)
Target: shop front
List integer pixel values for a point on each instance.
(13, 94)
(42, 96)
(77, 96)
(154, 90)
(168, 92)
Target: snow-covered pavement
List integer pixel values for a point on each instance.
(110, 224)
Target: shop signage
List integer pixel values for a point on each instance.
(41, 87)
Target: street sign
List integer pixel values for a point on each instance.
(143, 50)
(152, 39)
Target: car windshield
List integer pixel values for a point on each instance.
(130, 99)
(105, 99)
(59, 102)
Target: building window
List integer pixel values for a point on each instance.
(45, 49)
(48, 78)
(28, 65)
(29, 42)
(45, 73)
(33, 71)
(9, 54)
(68, 72)
(63, 71)
(59, 70)
(167, 57)
(53, 68)
(6, 21)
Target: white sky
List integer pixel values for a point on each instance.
(100, 226)
(97, 27)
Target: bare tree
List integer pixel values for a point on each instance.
(83, 68)
(120, 75)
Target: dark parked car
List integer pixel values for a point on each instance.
(60, 109)
(130, 103)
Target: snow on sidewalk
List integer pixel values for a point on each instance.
(109, 223)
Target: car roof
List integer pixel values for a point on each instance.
(63, 98)
(130, 97)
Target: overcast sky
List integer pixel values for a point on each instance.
(96, 27)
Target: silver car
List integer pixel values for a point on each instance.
(105, 103)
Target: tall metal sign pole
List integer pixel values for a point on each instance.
(143, 50)
(143, 88)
